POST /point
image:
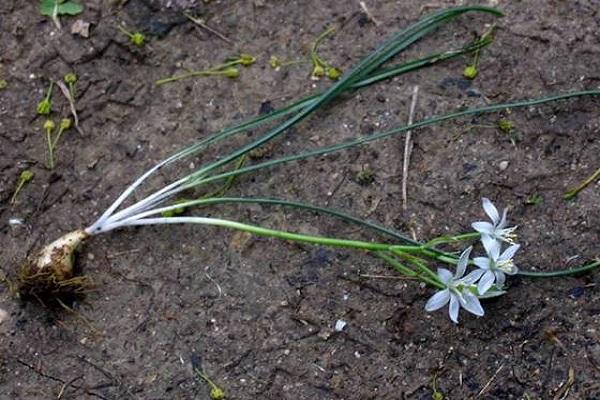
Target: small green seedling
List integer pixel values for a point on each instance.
(471, 71)
(70, 79)
(508, 127)
(436, 395)
(276, 63)
(44, 107)
(138, 39)
(55, 8)
(320, 66)
(534, 200)
(52, 139)
(3, 84)
(365, 177)
(571, 194)
(25, 177)
(227, 69)
(216, 393)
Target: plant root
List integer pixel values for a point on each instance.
(49, 277)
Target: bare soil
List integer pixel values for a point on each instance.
(260, 313)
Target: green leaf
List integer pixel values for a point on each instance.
(70, 8)
(52, 8)
(47, 7)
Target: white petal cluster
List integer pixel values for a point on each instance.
(486, 281)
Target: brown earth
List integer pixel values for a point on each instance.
(260, 312)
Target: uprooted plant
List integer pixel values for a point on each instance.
(52, 270)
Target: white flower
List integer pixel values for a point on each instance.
(495, 265)
(458, 290)
(497, 229)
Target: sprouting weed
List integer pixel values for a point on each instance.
(3, 84)
(136, 38)
(44, 107)
(571, 194)
(24, 178)
(216, 393)
(534, 199)
(54, 8)
(70, 79)
(52, 139)
(365, 177)
(436, 395)
(49, 127)
(506, 125)
(227, 69)
(320, 66)
(471, 71)
(276, 63)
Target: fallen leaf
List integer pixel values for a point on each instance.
(81, 28)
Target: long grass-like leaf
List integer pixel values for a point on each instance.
(368, 65)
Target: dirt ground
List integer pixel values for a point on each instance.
(260, 313)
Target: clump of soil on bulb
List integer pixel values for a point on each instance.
(49, 277)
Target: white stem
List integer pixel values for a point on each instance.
(173, 220)
(149, 201)
(126, 194)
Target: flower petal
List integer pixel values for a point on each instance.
(461, 265)
(490, 210)
(486, 282)
(502, 222)
(438, 300)
(471, 304)
(472, 277)
(509, 253)
(453, 309)
(445, 275)
(500, 278)
(482, 262)
(492, 247)
(483, 227)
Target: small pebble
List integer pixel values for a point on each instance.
(503, 165)
(340, 324)
(3, 316)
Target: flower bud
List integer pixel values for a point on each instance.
(231, 72)
(70, 78)
(246, 59)
(138, 39)
(470, 72)
(65, 123)
(26, 176)
(217, 394)
(334, 73)
(49, 125)
(44, 107)
(318, 71)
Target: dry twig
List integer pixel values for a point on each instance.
(408, 147)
